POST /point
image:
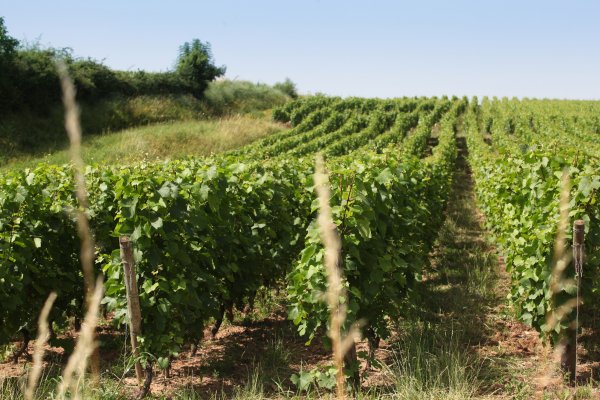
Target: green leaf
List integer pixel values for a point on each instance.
(149, 287)
(307, 253)
(137, 233)
(385, 177)
(163, 362)
(364, 228)
(302, 380)
(158, 223)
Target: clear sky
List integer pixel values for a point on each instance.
(372, 48)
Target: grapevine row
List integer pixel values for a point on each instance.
(209, 232)
(518, 182)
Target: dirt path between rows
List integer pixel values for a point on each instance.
(469, 286)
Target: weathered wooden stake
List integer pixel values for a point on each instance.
(133, 302)
(569, 356)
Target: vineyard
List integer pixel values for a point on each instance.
(209, 233)
(520, 151)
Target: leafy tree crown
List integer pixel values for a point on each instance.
(195, 64)
(8, 44)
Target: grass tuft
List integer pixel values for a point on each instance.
(431, 363)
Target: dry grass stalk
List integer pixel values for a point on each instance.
(38, 354)
(74, 371)
(562, 259)
(73, 128)
(335, 288)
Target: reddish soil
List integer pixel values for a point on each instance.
(219, 364)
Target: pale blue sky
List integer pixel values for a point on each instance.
(363, 48)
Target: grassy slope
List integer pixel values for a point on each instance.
(29, 134)
(163, 141)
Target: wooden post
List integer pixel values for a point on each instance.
(133, 301)
(569, 356)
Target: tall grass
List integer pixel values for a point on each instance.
(432, 363)
(559, 283)
(341, 343)
(231, 97)
(108, 389)
(74, 374)
(73, 128)
(85, 348)
(38, 354)
(14, 388)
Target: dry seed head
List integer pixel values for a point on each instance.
(74, 371)
(73, 129)
(562, 259)
(335, 288)
(333, 247)
(38, 353)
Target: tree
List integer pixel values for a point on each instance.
(196, 66)
(8, 44)
(8, 51)
(288, 87)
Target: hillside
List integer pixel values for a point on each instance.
(160, 141)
